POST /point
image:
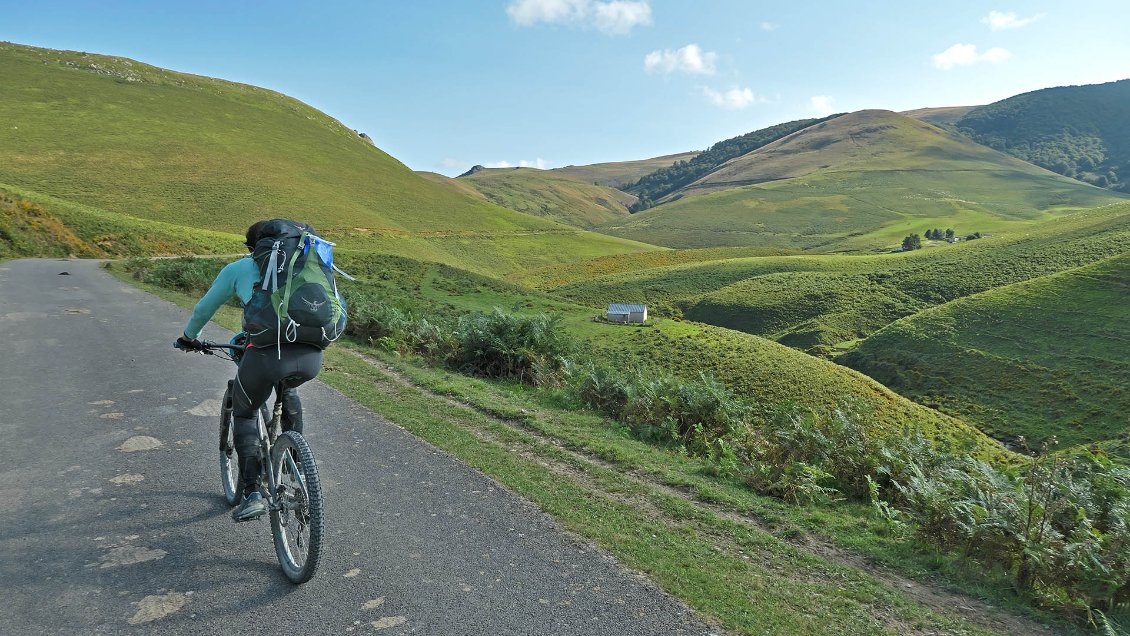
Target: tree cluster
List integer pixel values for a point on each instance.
(911, 242)
(938, 235)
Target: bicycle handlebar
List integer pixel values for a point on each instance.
(207, 347)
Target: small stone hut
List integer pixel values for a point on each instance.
(624, 312)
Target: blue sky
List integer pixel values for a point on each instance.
(444, 85)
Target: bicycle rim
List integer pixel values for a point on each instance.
(297, 518)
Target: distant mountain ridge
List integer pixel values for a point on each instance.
(1079, 131)
(939, 114)
(861, 180)
(621, 174)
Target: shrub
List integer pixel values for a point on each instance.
(393, 329)
(701, 417)
(531, 349)
(604, 389)
(1060, 526)
(187, 273)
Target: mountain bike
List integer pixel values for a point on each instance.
(293, 490)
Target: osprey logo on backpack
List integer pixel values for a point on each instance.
(313, 306)
(295, 265)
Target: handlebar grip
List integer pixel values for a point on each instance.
(204, 347)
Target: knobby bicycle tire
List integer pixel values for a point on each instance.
(229, 465)
(314, 512)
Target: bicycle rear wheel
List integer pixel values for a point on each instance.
(229, 467)
(298, 520)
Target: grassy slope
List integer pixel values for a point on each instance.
(33, 224)
(858, 182)
(557, 275)
(817, 301)
(117, 137)
(1049, 356)
(763, 372)
(619, 173)
(549, 194)
(454, 184)
(939, 114)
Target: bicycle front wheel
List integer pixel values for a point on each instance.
(297, 519)
(229, 467)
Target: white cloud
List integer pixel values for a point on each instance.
(966, 54)
(999, 21)
(822, 105)
(614, 17)
(620, 16)
(690, 59)
(734, 99)
(769, 26)
(539, 163)
(528, 12)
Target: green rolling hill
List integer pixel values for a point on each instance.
(667, 183)
(550, 194)
(619, 174)
(119, 149)
(819, 302)
(1079, 131)
(762, 372)
(856, 182)
(1048, 356)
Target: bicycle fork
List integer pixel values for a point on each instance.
(276, 499)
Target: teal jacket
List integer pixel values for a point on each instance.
(234, 280)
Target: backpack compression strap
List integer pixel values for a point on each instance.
(270, 275)
(284, 302)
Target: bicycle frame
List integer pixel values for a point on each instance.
(266, 464)
(269, 428)
(288, 474)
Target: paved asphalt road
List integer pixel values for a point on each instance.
(97, 537)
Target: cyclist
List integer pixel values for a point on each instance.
(260, 371)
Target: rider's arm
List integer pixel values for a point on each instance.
(225, 286)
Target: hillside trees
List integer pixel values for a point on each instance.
(1082, 132)
(912, 242)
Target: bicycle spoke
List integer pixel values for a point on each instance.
(297, 517)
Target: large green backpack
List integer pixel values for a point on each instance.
(296, 299)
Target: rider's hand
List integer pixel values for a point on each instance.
(186, 344)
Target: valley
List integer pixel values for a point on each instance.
(795, 368)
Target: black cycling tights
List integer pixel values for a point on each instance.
(260, 371)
